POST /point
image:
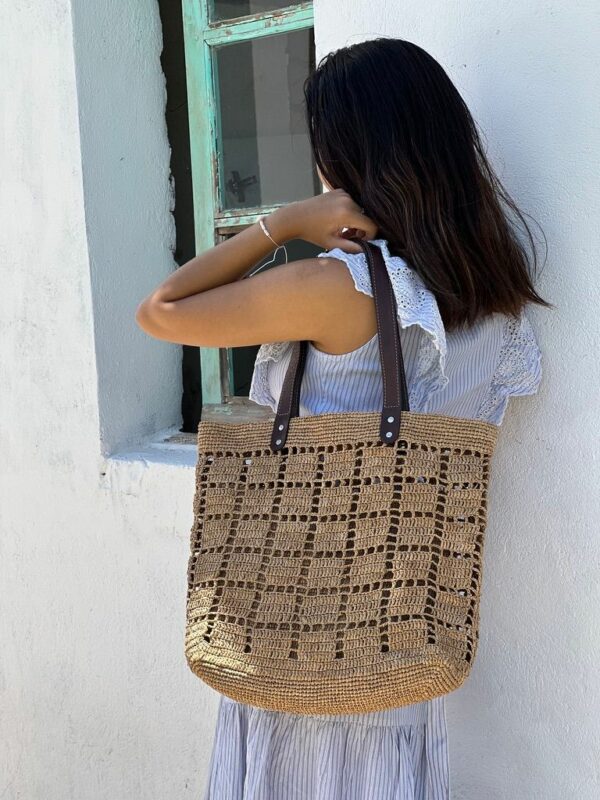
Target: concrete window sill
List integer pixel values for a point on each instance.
(172, 447)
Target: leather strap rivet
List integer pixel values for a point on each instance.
(390, 419)
(281, 427)
(388, 434)
(278, 441)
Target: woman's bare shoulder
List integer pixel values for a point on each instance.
(353, 321)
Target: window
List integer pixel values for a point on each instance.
(246, 61)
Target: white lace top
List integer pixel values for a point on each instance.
(464, 373)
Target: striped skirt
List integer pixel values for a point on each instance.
(397, 754)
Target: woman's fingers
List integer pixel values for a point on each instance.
(367, 229)
(364, 223)
(331, 219)
(344, 244)
(351, 215)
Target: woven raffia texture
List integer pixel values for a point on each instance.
(343, 574)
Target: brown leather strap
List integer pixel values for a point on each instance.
(395, 392)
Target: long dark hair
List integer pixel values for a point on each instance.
(388, 126)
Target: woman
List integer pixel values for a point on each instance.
(400, 155)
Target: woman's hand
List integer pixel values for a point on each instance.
(320, 220)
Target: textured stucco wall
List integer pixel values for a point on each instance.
(526, 726)
(96, 701)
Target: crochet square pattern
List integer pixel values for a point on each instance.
(337, 577)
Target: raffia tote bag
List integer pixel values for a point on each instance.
(336, 558)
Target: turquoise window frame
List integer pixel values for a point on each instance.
(200, 36)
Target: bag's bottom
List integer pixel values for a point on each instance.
(403, 684)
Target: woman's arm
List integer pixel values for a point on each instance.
(204, 303)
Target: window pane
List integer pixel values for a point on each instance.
(229, 9)
(264, 150)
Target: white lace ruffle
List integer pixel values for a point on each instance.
(518, 372)
(416, 305)
(260, 391)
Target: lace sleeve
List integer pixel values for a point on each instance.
(260, 391)
(519, 369)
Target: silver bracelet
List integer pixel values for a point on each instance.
(264, 227)
(277, 246)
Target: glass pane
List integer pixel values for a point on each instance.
(264, 149)
(229, 9)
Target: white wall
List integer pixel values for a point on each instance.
(96, 699)
(526, 725)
